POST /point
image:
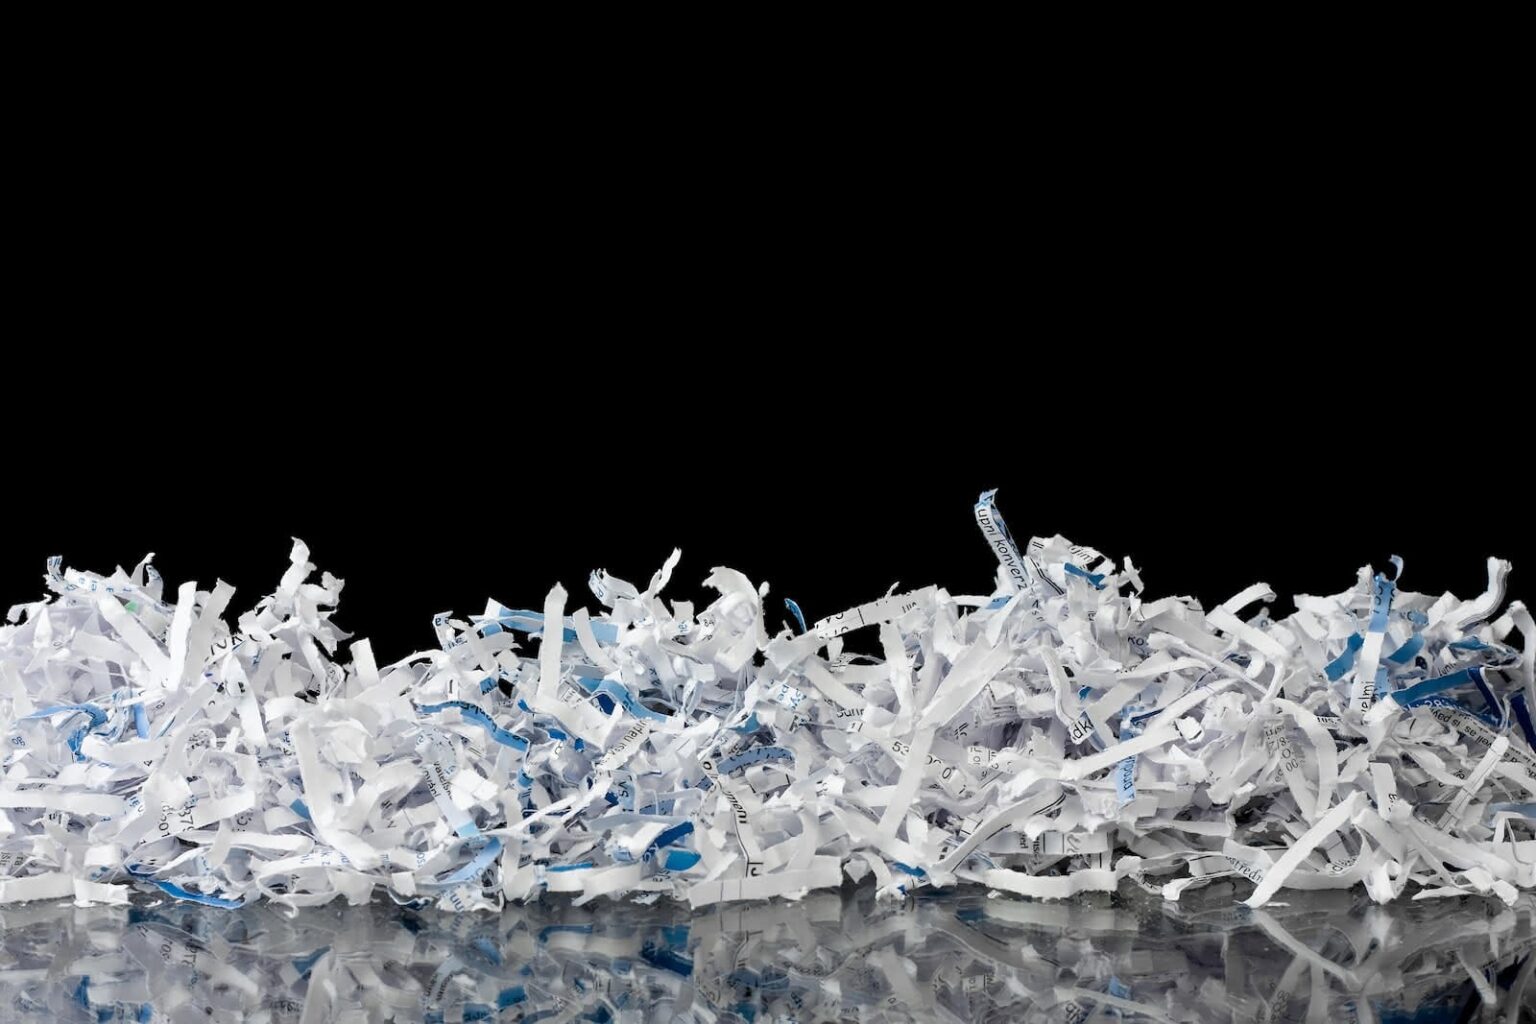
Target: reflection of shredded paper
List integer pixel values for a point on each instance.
(1327, 957)
(1057, 736)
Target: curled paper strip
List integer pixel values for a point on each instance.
(1060, 735)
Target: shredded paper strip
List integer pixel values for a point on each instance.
(1060, 735)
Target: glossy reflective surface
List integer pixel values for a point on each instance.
(1321, 957)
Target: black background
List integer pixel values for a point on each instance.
(454, 385)
(830, 510)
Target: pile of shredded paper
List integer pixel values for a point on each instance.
(1059, 735)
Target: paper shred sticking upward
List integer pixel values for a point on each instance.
(1060, 735)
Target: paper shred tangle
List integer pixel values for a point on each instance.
(1062, 734)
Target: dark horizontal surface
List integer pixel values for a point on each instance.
(1322, 956)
